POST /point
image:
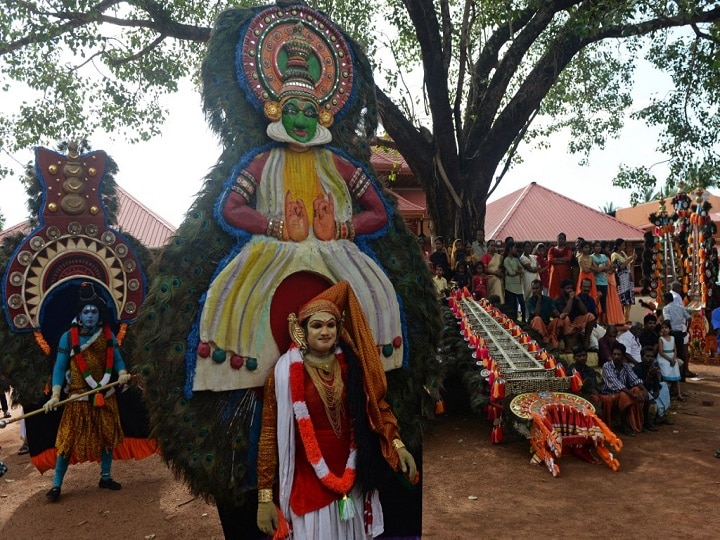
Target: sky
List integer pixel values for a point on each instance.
(166, 172)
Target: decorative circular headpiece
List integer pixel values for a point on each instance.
(295, 51)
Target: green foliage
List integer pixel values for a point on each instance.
(496, 72)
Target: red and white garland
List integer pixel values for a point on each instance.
(78, 349)
(340, 485)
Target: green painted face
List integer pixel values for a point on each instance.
(300, 119)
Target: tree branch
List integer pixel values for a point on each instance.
(163, 25)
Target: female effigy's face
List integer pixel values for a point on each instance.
(300, 119)
(321, 332)
(89, 316)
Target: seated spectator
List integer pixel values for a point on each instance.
(631, 340)
(649, 334)
(543, 315)
(590, 389)
(441, 284)
(574, 317)
(622, 393)
(605, 345)
(648, 371)
(461, 277)
(479, 281)
(586, 297)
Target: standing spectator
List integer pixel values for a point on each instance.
(461, 278)
(530, 267)
(457, 253)
(614, 315)
(587, 269)
(514, 294)
(676, 290)
(441, 284)
(439, 257)
(678, 317)
(559, 259)
(493, 262)
(668, 360)
(574, 265)
(715, 319)
(478, 246)
(480, 281)
(623, 392)
(540, 253)
(623, 268)
(470, 257)
(601, 263)
(649, 334)
(4, 387)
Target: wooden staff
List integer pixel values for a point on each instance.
(75, 397)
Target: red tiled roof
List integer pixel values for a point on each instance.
(538, 214)
(407, 208)
(638, 215)
(138, 220)
(134, 218)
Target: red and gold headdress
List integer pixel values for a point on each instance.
(295, 51)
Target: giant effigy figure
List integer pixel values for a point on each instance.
(291, 209)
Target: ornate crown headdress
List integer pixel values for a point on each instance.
(295, 51)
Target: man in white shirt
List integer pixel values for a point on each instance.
(676, 289)
(479, 248)
(678, 317)
(631, 340)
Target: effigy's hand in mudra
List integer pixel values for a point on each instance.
(297, 225)
(324, 220)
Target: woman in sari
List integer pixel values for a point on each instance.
(614, 315)
(623, 267)
(493, 262)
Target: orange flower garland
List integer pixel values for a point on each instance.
(340, 485)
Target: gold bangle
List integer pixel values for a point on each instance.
(398, 444)
(265, 495)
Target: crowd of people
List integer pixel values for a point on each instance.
(562, 291)
(578, 298)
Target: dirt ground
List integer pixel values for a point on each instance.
(668, 486)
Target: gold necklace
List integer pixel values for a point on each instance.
(329, 386)
(326, 364)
